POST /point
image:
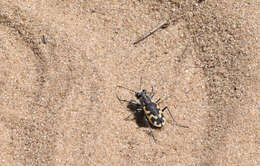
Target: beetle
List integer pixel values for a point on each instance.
(153, 114)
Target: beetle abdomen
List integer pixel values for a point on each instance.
(154, 115)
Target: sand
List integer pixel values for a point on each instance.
(62, 60)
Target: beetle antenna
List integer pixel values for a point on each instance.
(118, 86)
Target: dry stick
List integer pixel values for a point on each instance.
(161, 26)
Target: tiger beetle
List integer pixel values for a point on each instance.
(153, 114)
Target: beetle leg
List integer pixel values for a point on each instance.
(152, 93)
(158, 101)
(173, 118)
(141, 83)
(150, 128)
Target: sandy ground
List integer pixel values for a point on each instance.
(61, 61)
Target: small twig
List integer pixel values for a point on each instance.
(161, 26)
(44, 41)
(184, 50)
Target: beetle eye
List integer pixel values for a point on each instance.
(137, 95)
(144, 91)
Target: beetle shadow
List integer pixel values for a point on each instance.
(138, 114)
